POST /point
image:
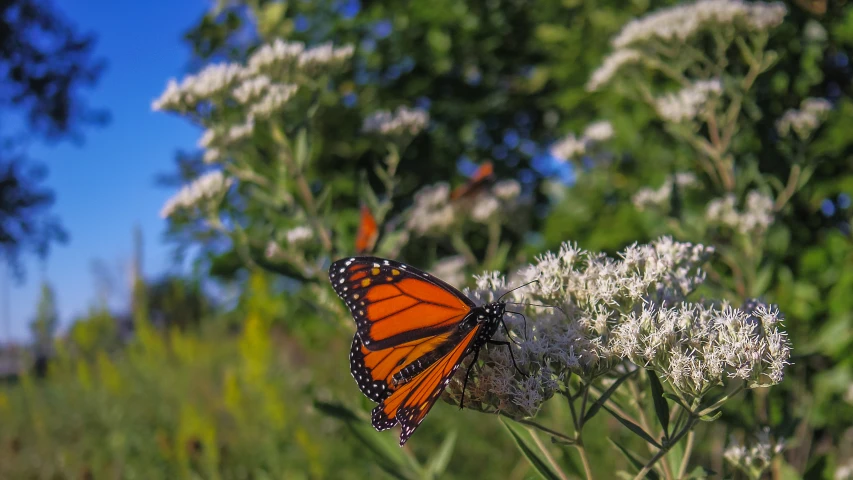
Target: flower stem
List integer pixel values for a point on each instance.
(688, 449)
(663, 451)
(587, 468)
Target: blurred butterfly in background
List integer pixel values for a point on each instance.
(479, 181)
(412, 332)
(368, 231)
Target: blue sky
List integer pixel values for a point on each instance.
(107, 185)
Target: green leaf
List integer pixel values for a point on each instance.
(634, 460)
(711, 418)
(595, 407)
(633, 427)
(700, 473)
(389, 456)
(676, 399)
(661, 407)
(438, 463)
(529, 449)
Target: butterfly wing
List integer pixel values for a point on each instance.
(394, 304)
(368, 231)
(481, 177)
(409, 403)
(378, 373)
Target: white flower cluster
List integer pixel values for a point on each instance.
(404, 121)
(431, 212)
(274, 99)
(211, 82)
(681, 22)
(689, 102)
(434, 212)
(803, 122)
(206, 187)
(289, 63)
(756, 458)
(572, 147)
(660, 198)
(640, 39)
(281, 59)
(754, 220)
(612, 64)
(299, 235)
(604, 311)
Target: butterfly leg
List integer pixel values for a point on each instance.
(465, 383)
(509, 346)
(506, 330)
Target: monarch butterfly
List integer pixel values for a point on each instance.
(484, 175)
(368, 231)
(413, 331)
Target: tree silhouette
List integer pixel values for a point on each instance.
(44, 62)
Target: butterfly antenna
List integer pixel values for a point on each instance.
(516, 288)
(538, 305)
(523, 318)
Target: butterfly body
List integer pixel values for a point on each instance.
(413, 332)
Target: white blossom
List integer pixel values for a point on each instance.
(681, 22)
(506, 190)
(755, 458)
(845, 471)
(299, 235)
(568, 148)
(404, 121)
(206, 187)
(484, 208)
(241, 131)
(211, 155)
(281, 59)
(275, 55)
(660, 198)
(572, 147)
(275, 97)
(251, 88)
(599, 131)
(323, 57)
(803, 122)
(753, 220)
(431, 212)
(689, 102)
(212, 81)
(589, 313)
(610, 66)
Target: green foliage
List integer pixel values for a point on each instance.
(263, 390)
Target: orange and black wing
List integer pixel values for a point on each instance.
(409, 403)
(482, 177)
(378, 373)
(395, 305)
(368, 231)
